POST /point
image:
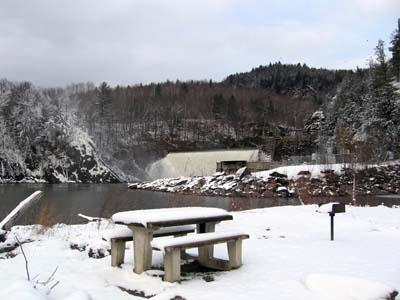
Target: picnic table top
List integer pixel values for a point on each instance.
(164, 217)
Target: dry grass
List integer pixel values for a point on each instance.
(303, 188)
(46, 217)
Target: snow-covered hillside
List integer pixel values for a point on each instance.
(288, 256)
(76, 161)
(42, 141)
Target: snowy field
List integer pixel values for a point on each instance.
(288, 256)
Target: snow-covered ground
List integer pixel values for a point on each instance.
(316, 171)
(288, 256)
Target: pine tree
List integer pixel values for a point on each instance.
(232, 110)
(158, 90)
(382, 89)
(217, 107)
(395, 49)
(380, 68)
(104, 100)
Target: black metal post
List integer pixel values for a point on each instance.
(332, 215)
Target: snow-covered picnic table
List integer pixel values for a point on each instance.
(143, 223)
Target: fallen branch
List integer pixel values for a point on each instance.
(53, 286)
(50, 278)
(44, 283)
(7, 222)
(23, 253)
(90, 219)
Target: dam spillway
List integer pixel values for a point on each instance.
(197, 163)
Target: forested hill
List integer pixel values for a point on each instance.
(144, 122)
(132, 126)
(295, 79)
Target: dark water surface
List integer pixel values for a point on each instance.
(361, 200)
(65, 201)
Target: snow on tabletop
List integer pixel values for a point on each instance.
(166, 214)
(327, 208)
(346, 287)
(194, 238)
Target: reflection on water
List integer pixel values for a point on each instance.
(67, 200)
(365, 200)
(397, 197)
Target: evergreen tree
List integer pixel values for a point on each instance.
(382, 90)
(158, 90)
(217, 106)
(104, 100)
(258, 109)
(232, 110)
(184, 88)
(380, 68)
(395, 49)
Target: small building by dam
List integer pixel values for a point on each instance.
(200, 163)
(231, 166)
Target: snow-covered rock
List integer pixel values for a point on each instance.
(221, 184)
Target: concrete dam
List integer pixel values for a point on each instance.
(197, 163)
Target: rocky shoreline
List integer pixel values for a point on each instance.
(382, 180)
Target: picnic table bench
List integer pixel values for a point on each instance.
(173, 247)
(144, 223)
(119, 236)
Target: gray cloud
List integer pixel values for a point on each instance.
(125, 41)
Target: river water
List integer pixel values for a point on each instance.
(65, 201)
(102, 200)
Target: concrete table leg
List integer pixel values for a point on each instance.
(235, 253)
(142, 248)
(172, 265)
(117, 252)
(205, 252)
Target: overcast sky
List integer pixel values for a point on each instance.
(57, 42)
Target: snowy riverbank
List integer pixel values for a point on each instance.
(221, 184)
(288, 256)
(308, 180)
